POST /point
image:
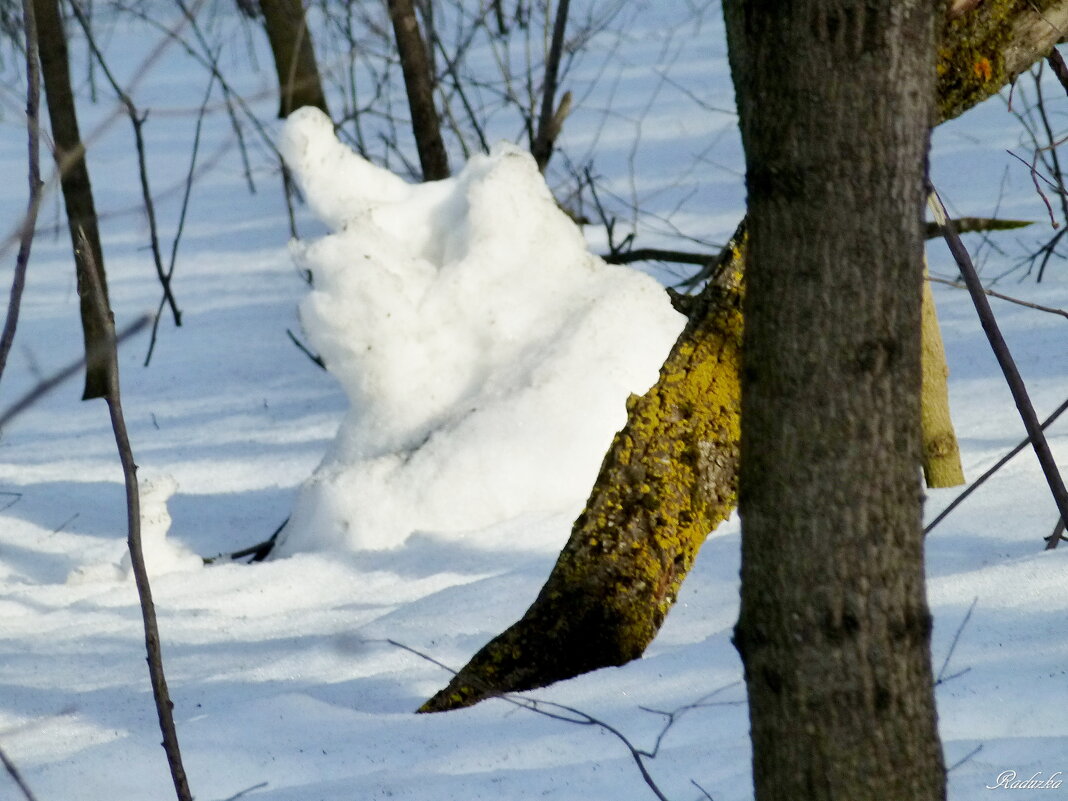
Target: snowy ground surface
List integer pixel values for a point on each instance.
(284, 678)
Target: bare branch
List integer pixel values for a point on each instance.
(46, 385)
(113, 397)
(12, 769)
(551, 118)
(29, 223)
(1004, 460)
(137, 120)
(1000, 296)
(1004, 357)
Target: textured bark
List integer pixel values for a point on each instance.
(834, 101)
(419, 84)
(667, 480)
(77, 194)
(294, 56)
(989, 45)
(536, 650)
(941, 455)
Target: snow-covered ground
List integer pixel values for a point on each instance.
(288, 676)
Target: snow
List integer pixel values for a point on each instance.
(288, 677)
(485, 352)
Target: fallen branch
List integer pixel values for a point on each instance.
(1004, 357)
(258, 552)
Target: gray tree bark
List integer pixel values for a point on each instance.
(835, 100)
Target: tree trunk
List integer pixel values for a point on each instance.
(834, 102)
(294, 56)
(941, 454)
(546, 644)
(667, 480)
(419, 84)
(551, 118)
(77, 194)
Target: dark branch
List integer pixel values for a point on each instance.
(29, 223)
(1004, 357)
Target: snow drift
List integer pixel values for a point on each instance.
(486, 354)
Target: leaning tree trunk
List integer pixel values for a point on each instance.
(667, 480)
(77, 193)
(294, 56)
(835, 100)
(545, 645)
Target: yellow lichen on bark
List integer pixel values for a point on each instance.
(981, 50)
(668, 479)
(671, 474)
(941, 456)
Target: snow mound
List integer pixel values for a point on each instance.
(486, 354)
(162, 555)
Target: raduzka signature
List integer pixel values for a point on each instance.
(1009, 780)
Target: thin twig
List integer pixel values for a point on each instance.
(1004, 357)
(1000, 296)
(246, 791)
(29, 222)
(304, 349)
(143, 69)
(187, 192)
(12, 769)
(1054, 162)
(1004, 460)
(1038, 188)
(137, 120)
(46, 385)
(941, 678)
(569, 714)
(966, 758)
(164, 705)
